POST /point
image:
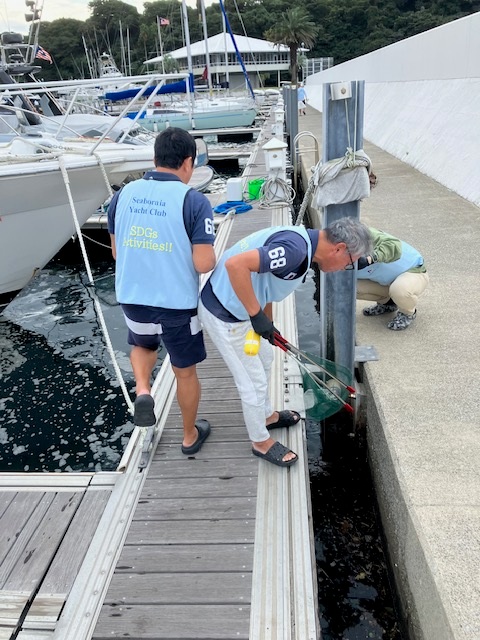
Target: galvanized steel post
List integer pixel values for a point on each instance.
(342, 128)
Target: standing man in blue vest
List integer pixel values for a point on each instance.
(162, 237)
(393, 274)
(266, 267)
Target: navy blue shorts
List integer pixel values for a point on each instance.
(179, 330)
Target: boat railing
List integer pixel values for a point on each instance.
(143, 83)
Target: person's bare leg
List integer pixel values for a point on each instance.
(188, 397)
(143, 361)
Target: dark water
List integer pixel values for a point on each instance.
(354, 592)
(62, 410)
(61, 406)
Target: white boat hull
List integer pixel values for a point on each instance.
(30, 234)
(36, 218)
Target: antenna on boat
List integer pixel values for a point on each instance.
(34, 15)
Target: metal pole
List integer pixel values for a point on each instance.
(342, 128)
(291, 121)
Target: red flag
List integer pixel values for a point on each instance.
(205, 74)
(164, 22)
(43, 55)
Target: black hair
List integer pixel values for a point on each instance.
(173, 146)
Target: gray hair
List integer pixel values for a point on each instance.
(353, 233)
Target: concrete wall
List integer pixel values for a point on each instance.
(422, 101)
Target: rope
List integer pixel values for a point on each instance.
(306, 198)
(104, 173)
(272, 190)
(66, 180)
(100, 244)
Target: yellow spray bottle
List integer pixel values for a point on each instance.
(252, 343)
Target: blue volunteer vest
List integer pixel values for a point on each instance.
(386, 272)
(154, 265)
(267, 287)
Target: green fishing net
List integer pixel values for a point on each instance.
(319, 402)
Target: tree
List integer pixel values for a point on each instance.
(293, 29)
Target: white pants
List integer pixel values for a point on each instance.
(251, 373)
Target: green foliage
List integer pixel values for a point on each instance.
(294, 29)
(342, 29)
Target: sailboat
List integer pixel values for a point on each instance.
(195, 113)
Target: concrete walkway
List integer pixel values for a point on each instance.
(423, 402)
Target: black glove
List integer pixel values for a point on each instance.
(262, 325)
(363, 262)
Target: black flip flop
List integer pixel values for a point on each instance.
(286, 418)
(203, 428)
(275, 455)
(143, 411)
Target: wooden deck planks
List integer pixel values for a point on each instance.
(207, 558)
(185, 569)
(172, 588)
(36, 540)
(174, 622)
(71, 552)
(43, 539)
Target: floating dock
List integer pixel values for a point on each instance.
(218, 545)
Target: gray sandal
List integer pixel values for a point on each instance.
(275, 455)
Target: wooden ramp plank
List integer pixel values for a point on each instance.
(172, 588)
(195, 508)
(192, 532)
(188, 558)
(174, 622)
(183, 487)
(224, 469)
(212, 450)
(232, 434)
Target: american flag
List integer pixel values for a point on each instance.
(43, 55)
(164, 22)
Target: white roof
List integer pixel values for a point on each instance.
(216, 44)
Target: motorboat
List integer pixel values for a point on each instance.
(53, 179)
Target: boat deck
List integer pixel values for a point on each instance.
(216, 545)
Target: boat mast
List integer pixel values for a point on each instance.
(207, 55)
(239, 55)
(189, 50)
(227, 73)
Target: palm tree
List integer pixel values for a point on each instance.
(293, 29)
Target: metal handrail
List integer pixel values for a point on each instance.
(297, 154)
